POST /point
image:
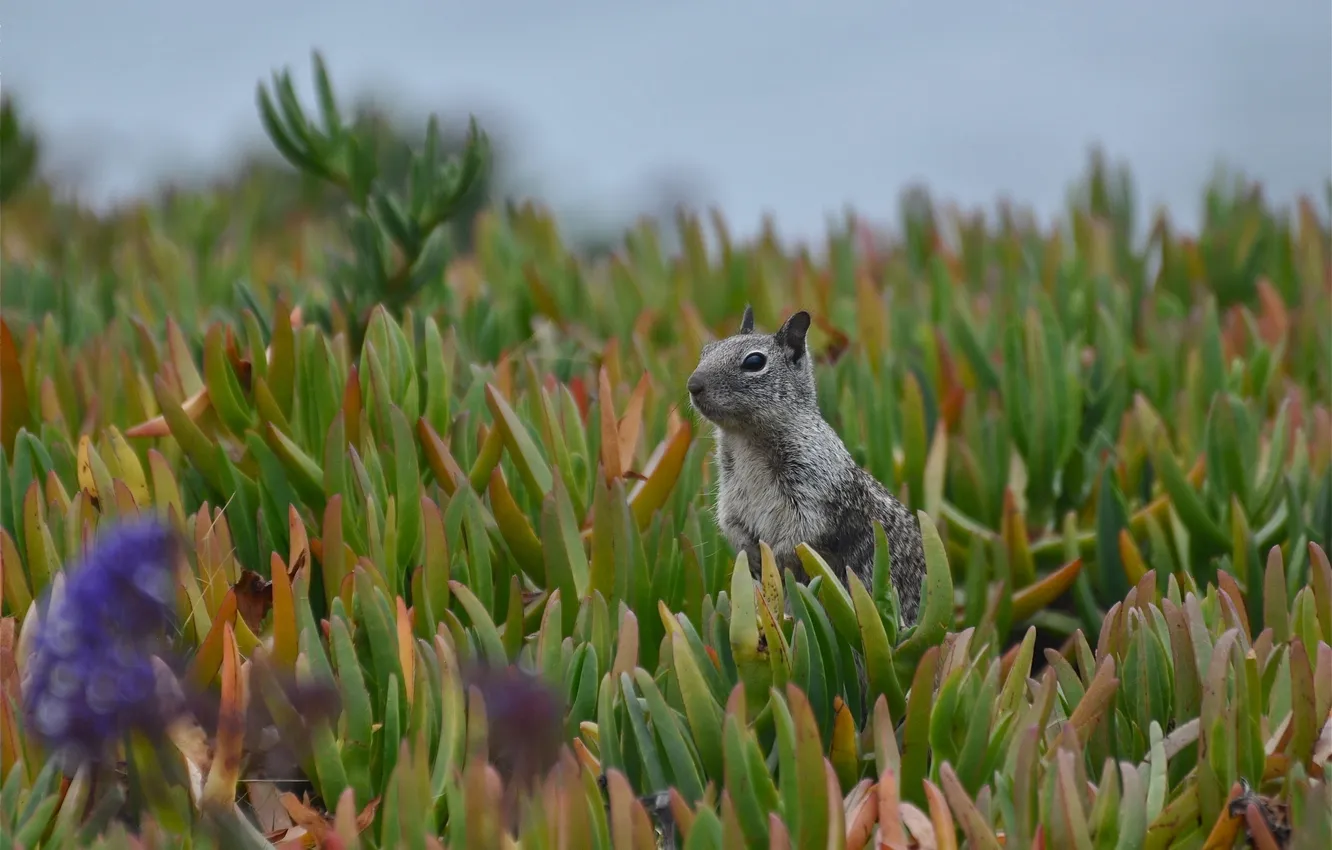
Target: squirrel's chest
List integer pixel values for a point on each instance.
(754, 499)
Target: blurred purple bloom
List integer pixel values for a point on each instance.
(525, 716)
(91, 675)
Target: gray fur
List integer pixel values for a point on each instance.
(785, 475)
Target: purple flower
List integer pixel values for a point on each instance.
(525, 717)
(91, 676)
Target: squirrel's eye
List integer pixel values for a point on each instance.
(753, 362)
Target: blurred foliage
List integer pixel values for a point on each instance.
(396, 226)
(1120, 449)
(19, 151)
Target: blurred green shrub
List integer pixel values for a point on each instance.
(19, 161)
(399, 238)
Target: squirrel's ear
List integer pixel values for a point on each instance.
(791, 335)
(747, 321)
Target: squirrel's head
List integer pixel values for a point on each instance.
(745, 381)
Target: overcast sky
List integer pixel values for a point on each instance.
(798, 108)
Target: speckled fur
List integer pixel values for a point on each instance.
(785, 475)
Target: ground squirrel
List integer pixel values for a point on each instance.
(785, 475)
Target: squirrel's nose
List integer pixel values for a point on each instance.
(695, 385)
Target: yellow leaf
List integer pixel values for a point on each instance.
(286, 645)
(212, 555)
(842, 751)
(13, 583)
(131, 470)
(1132, 558)
(56, 497)
(168, 491)
(771, 580)
(203, 622)
(87, 481)
(178, 351)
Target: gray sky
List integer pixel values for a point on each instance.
(798, 108)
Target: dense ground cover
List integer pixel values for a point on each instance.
(447, 572)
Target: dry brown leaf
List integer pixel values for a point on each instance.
(266, 799)
(291, 838)
(192, 741)
(254, 596)
(303, 816)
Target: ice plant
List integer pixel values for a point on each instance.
(91, 677)
(451, 574)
